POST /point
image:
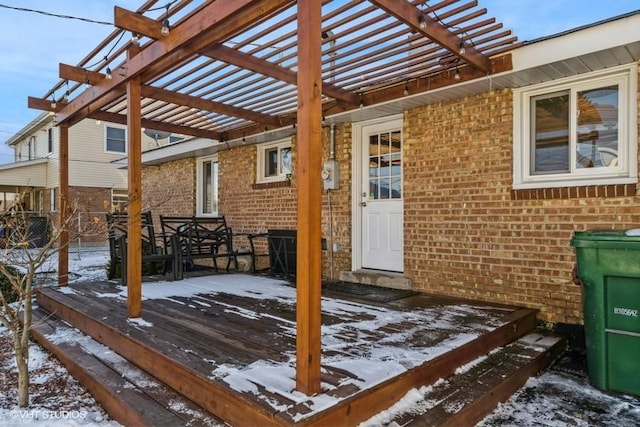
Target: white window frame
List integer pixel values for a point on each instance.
(31, 149)
(119, 200)
(625, 172)
(262, 150)
(200, 186)
(53, 199)
(107, 126)
(40, 201)
(50, 140)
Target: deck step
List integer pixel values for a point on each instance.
(127, 393)
(476, 388)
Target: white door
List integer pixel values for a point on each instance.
(381, 202)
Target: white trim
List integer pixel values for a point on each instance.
(53, 199)
(115, 126)
(50, 140)
(356, 183)
(625, 173)
(200, 161)
(597, 38)
(260, 159)
(123, 196)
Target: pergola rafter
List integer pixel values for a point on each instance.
(208, 105)
(367, 45)
(234, 68)
(216, 21)
(155, 124)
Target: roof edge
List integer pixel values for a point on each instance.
(39, 121)
(582, 27)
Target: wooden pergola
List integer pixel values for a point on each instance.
(229, 69)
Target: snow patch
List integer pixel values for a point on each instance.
(139, 321)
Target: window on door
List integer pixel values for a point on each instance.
(385, 165)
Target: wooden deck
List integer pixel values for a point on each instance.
(227, 343)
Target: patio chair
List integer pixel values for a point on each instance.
(152, 253)
(207, 238)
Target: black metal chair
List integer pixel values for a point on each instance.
(152, 252)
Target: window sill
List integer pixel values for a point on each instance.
(614, 190)
(271, 184)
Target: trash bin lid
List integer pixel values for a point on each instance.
(606, 239)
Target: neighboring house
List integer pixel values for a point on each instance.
(472, 190)
(94, 182)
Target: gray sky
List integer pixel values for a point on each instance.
(33, 45)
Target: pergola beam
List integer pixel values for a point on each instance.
(434, 30)
(79, 74)
(215, 22)
(63, 206)
(171, 97)
(137, 23)
(134, 207)
(269, 69)
(309, 144)
(42, 104)
(157, 125)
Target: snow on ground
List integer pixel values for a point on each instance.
(85, 263)
(556, 398)
(57, 399)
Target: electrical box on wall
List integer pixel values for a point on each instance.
(331, 175)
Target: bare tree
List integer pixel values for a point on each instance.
(22, 260)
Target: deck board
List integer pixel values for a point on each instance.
(222, 335)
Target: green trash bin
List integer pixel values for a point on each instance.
(609, 268)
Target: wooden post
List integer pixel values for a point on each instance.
(134, 210)
(63, 207)
(309, 148)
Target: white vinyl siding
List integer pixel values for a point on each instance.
(89, 164)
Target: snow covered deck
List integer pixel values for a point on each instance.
(227, 342)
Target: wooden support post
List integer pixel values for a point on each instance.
(63, 207)
(309, 148)
(134, 210)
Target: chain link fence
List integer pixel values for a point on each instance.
(86, 229)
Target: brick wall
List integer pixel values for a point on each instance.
(170, 188)
(340, 202)
(258, 207)
(468, 234)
